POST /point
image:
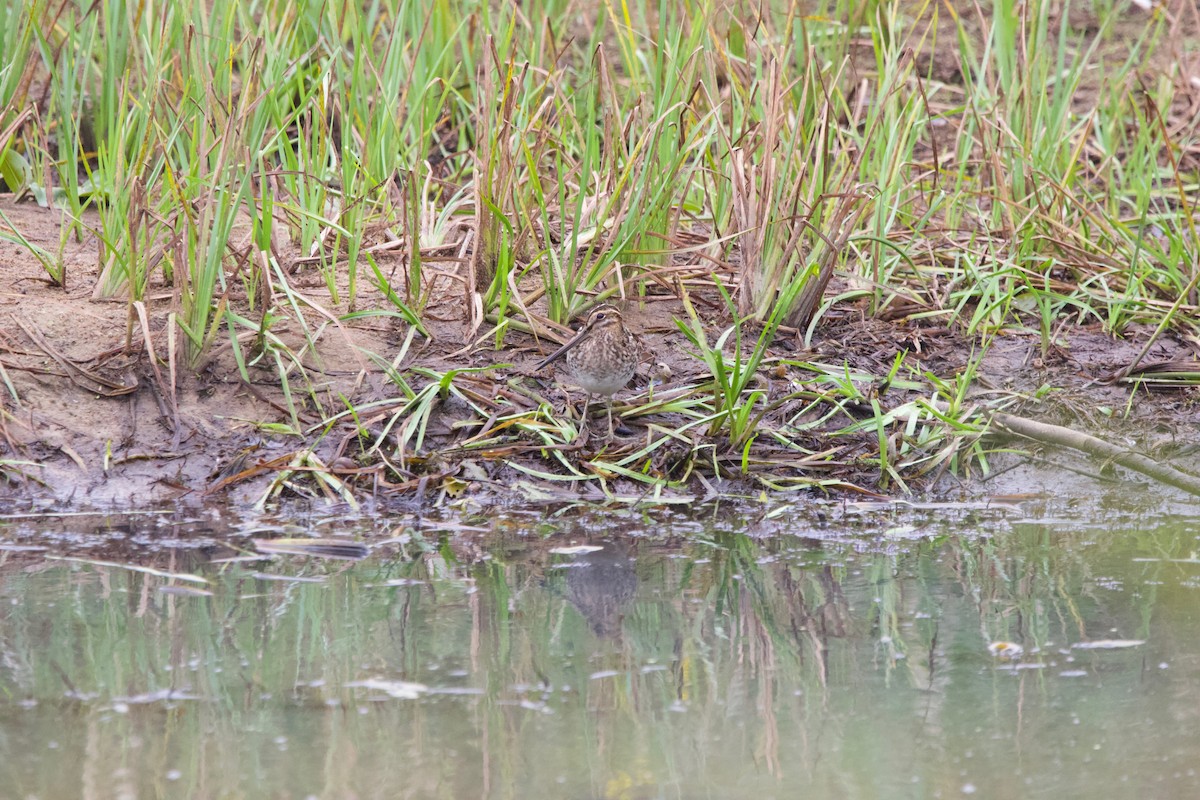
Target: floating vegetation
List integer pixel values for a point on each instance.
(319, 548)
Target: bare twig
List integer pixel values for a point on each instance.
(1065, 437)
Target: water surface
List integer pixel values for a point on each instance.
(712, 653)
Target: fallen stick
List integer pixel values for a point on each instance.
(1065, 437)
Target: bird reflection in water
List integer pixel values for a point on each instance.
(601, 585)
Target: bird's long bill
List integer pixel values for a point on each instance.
(560, 352)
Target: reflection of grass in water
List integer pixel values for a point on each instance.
(1036, 586)
(768, 649)
(251, 657)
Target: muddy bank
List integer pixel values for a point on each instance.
(89, 421)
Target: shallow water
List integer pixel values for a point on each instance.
(706, 654)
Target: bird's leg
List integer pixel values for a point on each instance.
(583, 419)
(610, 422)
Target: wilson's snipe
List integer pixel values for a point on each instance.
(601, 357)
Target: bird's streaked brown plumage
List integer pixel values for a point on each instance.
(600, 358)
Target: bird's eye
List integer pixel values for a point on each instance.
(603, 315)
